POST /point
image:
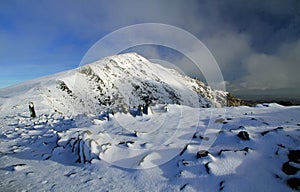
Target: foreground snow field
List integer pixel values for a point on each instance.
(85, 153)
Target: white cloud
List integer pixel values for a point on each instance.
(229, 48)
(273, 71)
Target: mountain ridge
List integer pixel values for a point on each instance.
(121, 81)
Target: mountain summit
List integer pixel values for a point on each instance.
(119, 81)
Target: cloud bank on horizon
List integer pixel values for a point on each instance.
(256, 44)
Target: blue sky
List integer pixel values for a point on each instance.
(256, 43)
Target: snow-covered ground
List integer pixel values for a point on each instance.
(157, 152)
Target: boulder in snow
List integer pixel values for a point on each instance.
(244, 135)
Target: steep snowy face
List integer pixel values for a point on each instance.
(130, 80)
(120, 82)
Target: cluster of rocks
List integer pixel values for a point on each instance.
(291, 168)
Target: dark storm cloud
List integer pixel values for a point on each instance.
(268, 22)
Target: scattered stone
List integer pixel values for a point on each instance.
(253, 119)
(221, 185)
(246, 149)
(221, 120)
(204, 138)
(202, 153)
(125, 143)
(184, 149)
(277, 176)
(207, 168)
(46, 156)
(185, 162)
(294, 156)
(182, 162)
(194, 136)
(266, 132)
(244, 135)
(142, 160)
(29, 173)
(181, 188)
(294, 183)
(280, 145)
(298, 124)
(70, 174)
(288, 169)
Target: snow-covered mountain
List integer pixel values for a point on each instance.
(120, 81)
(70, 147)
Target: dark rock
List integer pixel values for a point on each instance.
(277, 176)
(207, 168)
(280, 145)
(221, 132)
(184, 162)
(294, 183)
(181, 188)
(125, 143)
(294, 156)
(233, 100)
(244, 135)
(246, 149)
(221, 185)
(204, 138)
(266, 132)
(221, 120)
(222, 150)
(122, 143)
(202, 153)
(288, 169)
(194, 136)
(183, 150)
